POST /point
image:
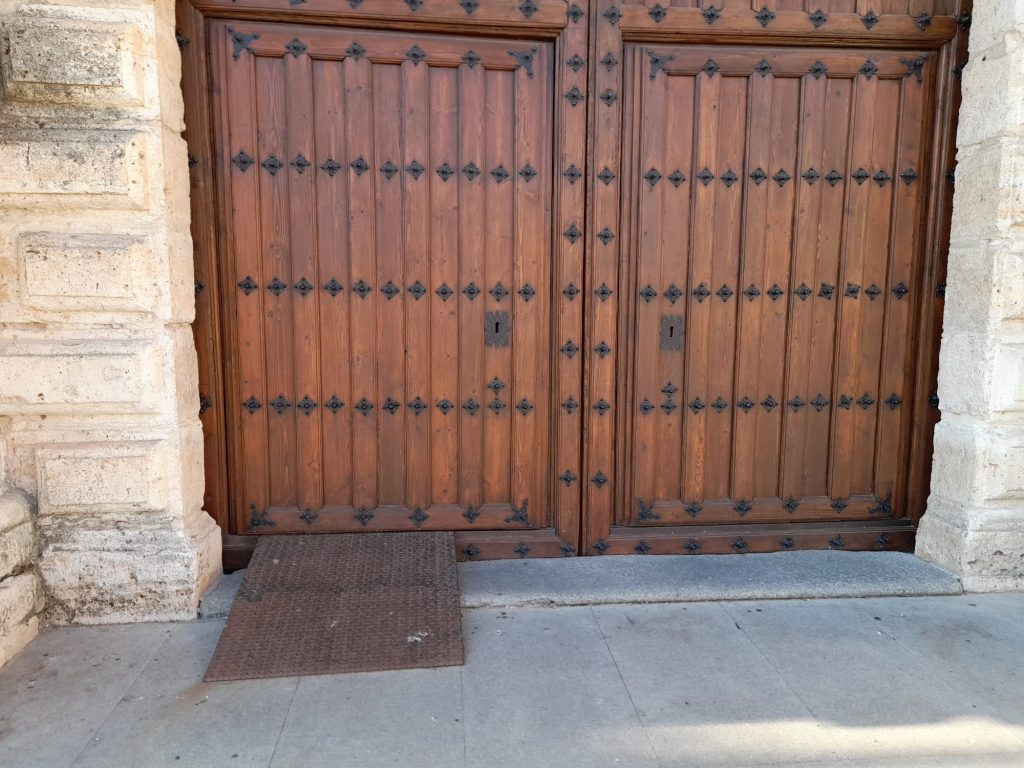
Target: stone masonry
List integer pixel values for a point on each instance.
(975, 519)
(100, 441)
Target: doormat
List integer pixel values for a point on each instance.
(325, 604)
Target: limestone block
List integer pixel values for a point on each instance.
(1008, 380)
(976, 463)
(995, 88)
(121, 478)
(62, 168)
(992, 21)
(965, 373)
(77, 272)
(14, 509)
(15, 640)
(66, 60)
(20, 597)
(989, 197)
(970, 270)
(17, 549)
(43, 376)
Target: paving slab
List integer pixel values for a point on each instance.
(683, 578)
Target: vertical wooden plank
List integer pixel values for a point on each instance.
(301, 178)
(362, 216)
(276, 254)
(333, 287)
(416, 182)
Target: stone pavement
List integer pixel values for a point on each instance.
(911, 682)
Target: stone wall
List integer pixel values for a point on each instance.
(975, 519)
(99, 419)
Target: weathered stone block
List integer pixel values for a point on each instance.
(1008, 381)
(66, 60)
(976, 463)
(993, 21)
(80, 168)
(92, 479)
(14, 509)
(989, 197)
(104, 377)
(995, 86)
(17, 549)
(15, 640)
(85, 272)
(20, 598)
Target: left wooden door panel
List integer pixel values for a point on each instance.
(388, 201)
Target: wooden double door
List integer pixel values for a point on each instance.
(570, 279)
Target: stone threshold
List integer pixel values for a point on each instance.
(675, 579)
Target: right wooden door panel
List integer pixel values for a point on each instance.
(772, 209)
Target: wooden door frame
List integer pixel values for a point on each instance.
(614, 24)
(565, 24)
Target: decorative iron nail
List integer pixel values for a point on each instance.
(710, 68)
(471, 513)
(833, 177)
(242, 161)
(567, 549)
(571, 291)
(873, 291)
(496, 385)
(240, 41)
(524, 406)
(573, 233)
(444, 406)
(963, 21)
(613, 15)
(391, 406)
(893, 401)
(330, 167)
(646, 511)
(499, 292)
(600, 479)
(692, 546)
(819, 402)
(568, 477)
(181, 39)
(605, 236)
(672, 293)
(602, 407)
(603, 292)
(280, 404)
(860, 176)
(248, 285)
(470, 171)
(818, 18)
(696, 405)
(276, 286)
(499, 174)
(765, 16)
(608, 97)
(790, 505)
(676, 177)
(309, 516)
(881, 178)
(659, 62)
(700, 293)
(865, 401)
(652, 177)
(839, 505)
(417, 290)
(775, 292)
(786, 543)
(528, 8)
(303, 286)
(724, 292)
(364, 406)
(884, 506)
(958, 70)
(719, 405)
(836, 543)
(570, 405)
(933, 400)
(845, 401)
(600, 546)
(642, 548)
(758, 175)
(648, 294)
(259, 520)
(569, 349)
(572, 173)
(705, 176)
(909, 176)
(606, 176)
(602, 349)
(796, 403)
(252, 404)
(415, 169)
(745, 404)
(574, 96)
(729, 178)
(781, 177)
(575, 62)
(742, 507)
(360, 166)
(389, 169)
(711, 14)
(527, 173)
(763, 68)
(751, 292)
(881, 541)
(869, 19)
(803, 291)
(496, 405)
(852, 291)
(940, 290)
(915, 67)
(418, 517)
(826, 291)
(334, 404)
(769, 403)
(609, 62)
(646, 406)
(900, 290)
(923, 21)
(471, 58)
(364, 515)
(471, 291)
(817, 69)
(296, 47)
(415, 54)
(469, 6)
(390, 290)
(471, 551)
(272, 165)
(693, 508)
(658, 13)
(362, 289)
(307, 405)
(574, 13)
(869, 69)
(471, 406)
(204, 404)
(669, 389)
(417, 406)
(669, 406)
(810, 176)
(739, 544)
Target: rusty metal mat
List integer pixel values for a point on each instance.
(325, 604)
